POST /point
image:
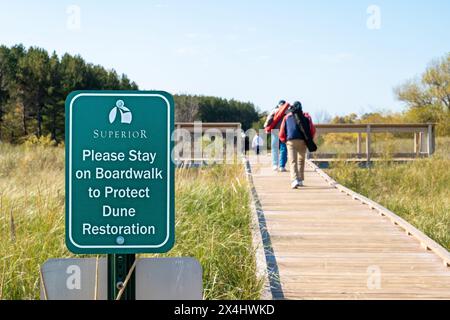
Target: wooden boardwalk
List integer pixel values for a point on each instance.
(321, 243)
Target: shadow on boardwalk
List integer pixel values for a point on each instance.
(271, 261)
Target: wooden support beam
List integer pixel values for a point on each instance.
(421, 140)
(368, 143)
(416, 144)
(430, 142)
(358, 145)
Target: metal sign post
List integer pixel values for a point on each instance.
(119, 266)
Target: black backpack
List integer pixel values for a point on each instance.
(310, 144)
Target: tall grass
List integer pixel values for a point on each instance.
(417, 191)
(212, 223)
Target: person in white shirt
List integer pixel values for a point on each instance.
(257, 143)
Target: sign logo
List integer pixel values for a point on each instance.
(125, 114)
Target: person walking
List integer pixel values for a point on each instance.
(297, 127)
(278, 149)
(257, 143)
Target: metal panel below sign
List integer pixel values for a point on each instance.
(156, 279)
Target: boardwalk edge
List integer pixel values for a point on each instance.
(257, 241)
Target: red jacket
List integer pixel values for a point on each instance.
(282, 133)
(277, 117)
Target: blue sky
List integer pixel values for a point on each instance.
(319, 52)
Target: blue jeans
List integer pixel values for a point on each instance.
(283, 154)
(274, 146)
(280, 147)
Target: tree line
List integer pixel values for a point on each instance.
(34, 85)
(189, 108)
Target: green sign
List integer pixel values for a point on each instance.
(119, 173)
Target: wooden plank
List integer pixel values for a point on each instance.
(393, 295)
(327, 248)
(329, 208)
(339, 266)
(307, 201)
(424, 255)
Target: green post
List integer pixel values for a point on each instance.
(118, 268)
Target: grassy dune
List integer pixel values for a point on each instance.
(212, 223)
(418, 191)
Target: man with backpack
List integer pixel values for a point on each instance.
(272, 126)
(297, 131)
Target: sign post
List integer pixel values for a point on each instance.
(119, 178)
(119, 266)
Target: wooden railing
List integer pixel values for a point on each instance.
(198, 129)
(424, 139)
(222, 126)
(423, 135)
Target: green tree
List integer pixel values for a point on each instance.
(186, 108)
(34, 85)
(127, 84)
(428, 98)
(53, 116)
(351, 118)
(74, 74)
(213, 109)
(189, 108)
(33, 81)
(4, 92)
(9, 61)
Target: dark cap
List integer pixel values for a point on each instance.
(296, 107)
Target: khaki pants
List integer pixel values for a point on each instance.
(296, 159)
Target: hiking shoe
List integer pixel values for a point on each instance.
(295, 184)
(283, 169)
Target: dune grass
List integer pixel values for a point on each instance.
(212, 223)
(418, 191)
